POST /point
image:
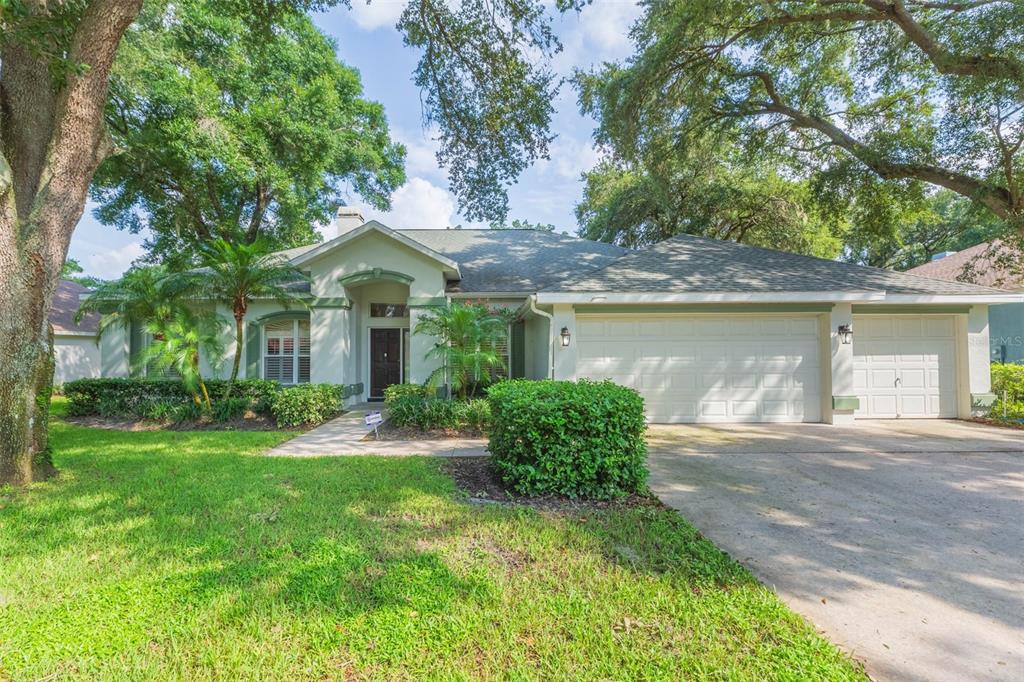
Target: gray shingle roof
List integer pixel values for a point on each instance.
(65, 305)
(695, 264)
(515, 260)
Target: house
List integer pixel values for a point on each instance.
(75, 348)
(1006, 322)
(706, 330)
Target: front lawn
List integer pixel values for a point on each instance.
(161, 555)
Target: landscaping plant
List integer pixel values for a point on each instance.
(468, 343)
(579, 439)
(306, 404)
(177, 344)
(1008, 386)
(238, 273)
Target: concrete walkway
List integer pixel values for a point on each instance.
(902, 541)
(344, 436)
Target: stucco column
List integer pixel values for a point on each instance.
(979, 373)
(564, 315)
(420, 366)
(330, 345)
(843, 401)
(114, 351)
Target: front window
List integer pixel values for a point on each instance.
(388, 310)
(286, 351)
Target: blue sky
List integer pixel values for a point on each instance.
(367, 40)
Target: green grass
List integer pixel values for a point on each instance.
(175, 555)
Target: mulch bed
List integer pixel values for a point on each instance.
(479, 479)
(255, 423)
(995, 422)
(388, 431)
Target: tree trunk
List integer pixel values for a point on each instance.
(239, 326)
(24, 361)
(42, 459)
(51, 142)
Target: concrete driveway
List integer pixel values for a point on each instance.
(902, 541)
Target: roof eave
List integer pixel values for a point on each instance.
(556, 297)
(451, 267)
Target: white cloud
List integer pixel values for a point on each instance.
(570, 158)
(418, 204)
(109, 263)
(377, 14)
(600, 32)
(421, 148)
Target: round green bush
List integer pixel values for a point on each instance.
(306, 404)
(578, 439)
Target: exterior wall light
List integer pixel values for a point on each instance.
(565, 337)
(845, 332)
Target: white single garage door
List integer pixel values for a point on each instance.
(716, 368)
(905, 366)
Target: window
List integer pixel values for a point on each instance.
(286, 351)
(504, 350)
(388, 310)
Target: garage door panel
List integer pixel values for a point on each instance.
(709, 368)
(905, 366)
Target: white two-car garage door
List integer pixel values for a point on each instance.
(721, 368)
(905, 366)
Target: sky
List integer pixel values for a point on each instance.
(368, 42)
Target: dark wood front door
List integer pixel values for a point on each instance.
(385, 360)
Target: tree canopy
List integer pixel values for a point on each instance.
(911, 91)
(228, 130)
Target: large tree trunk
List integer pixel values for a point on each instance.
(51, 142)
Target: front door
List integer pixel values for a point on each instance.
(385, 360)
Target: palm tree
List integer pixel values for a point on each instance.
(144, 294)
(236, 274)
(177, 343)
(468, 339)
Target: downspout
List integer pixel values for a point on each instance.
(551, 331)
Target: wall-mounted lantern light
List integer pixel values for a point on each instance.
(845, 332)
(565, 337)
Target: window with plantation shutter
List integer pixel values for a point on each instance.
(286, 351)
(502, 349)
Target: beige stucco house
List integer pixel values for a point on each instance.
(705, 330)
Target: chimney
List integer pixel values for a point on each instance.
(347, 219)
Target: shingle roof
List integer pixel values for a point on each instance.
(696, 264)
(515, 260)
(65, 305)
(984, 272)
(508, 260)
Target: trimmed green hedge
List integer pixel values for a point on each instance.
(159, 398)
(1008, 379)
(579, 439)
(168, 400)
(306, 404)
(415, 405)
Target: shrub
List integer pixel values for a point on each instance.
(1008, 383)
(579, 439)
(405, 403)
(138, 398)
(232, 408)
(306, 404)
(413, 405)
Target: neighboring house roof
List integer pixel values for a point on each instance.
(65, 305)
(983, 271)
(686, 264)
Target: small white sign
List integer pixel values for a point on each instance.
(374, 418)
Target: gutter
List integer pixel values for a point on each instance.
(551, 330)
